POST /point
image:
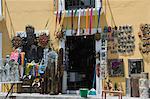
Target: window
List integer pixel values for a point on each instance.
(76, 4)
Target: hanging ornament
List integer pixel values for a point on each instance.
(60, 34)
(16, 42)
(109, 28)
(97, 22)
(43, 40)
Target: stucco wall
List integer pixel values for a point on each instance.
(132, 12)
(28, 12)
(37, 12)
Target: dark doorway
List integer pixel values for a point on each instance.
(81, 61)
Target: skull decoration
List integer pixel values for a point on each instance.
(16, 41)
(43, 40)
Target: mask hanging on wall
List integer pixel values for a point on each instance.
(16, 42)
(43, 40)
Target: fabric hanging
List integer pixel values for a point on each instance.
(87, 20)
(19, 59)
(60, 16)
(56, 22)
(36, 70)
(56, 17)
(14, 56)
(99, 14)
(72, 22)
(22, 58)
(75, 12)
(91, 19)
(24, 67)
(78, 32)
(28, 68)
(41, 69)
(96, 18)
(67, 20)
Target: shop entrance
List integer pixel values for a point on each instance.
(80, 53)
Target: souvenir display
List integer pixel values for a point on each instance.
(33, 63)
(9, 71)
(103, 57)
(144, 86)
(144, 35)
(115, 67)
(120, 39)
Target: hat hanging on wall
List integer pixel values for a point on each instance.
(142, 27)
(140, 35)
(146, 26)
(116, 27)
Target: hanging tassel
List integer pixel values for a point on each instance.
(99, 14)
(72, 22)
(36, 70)
(96, 18)
(91, 19)
(56, 23)
(22, 58)
(78, 32)
(60, 16)
(87, 20)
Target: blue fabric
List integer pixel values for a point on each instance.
(41, 69)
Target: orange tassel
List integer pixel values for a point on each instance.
(87, 20)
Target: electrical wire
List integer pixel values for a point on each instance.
(113, 20)
(9, 18)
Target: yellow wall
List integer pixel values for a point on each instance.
(24, 12)
(132, 12)
(37, 12)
